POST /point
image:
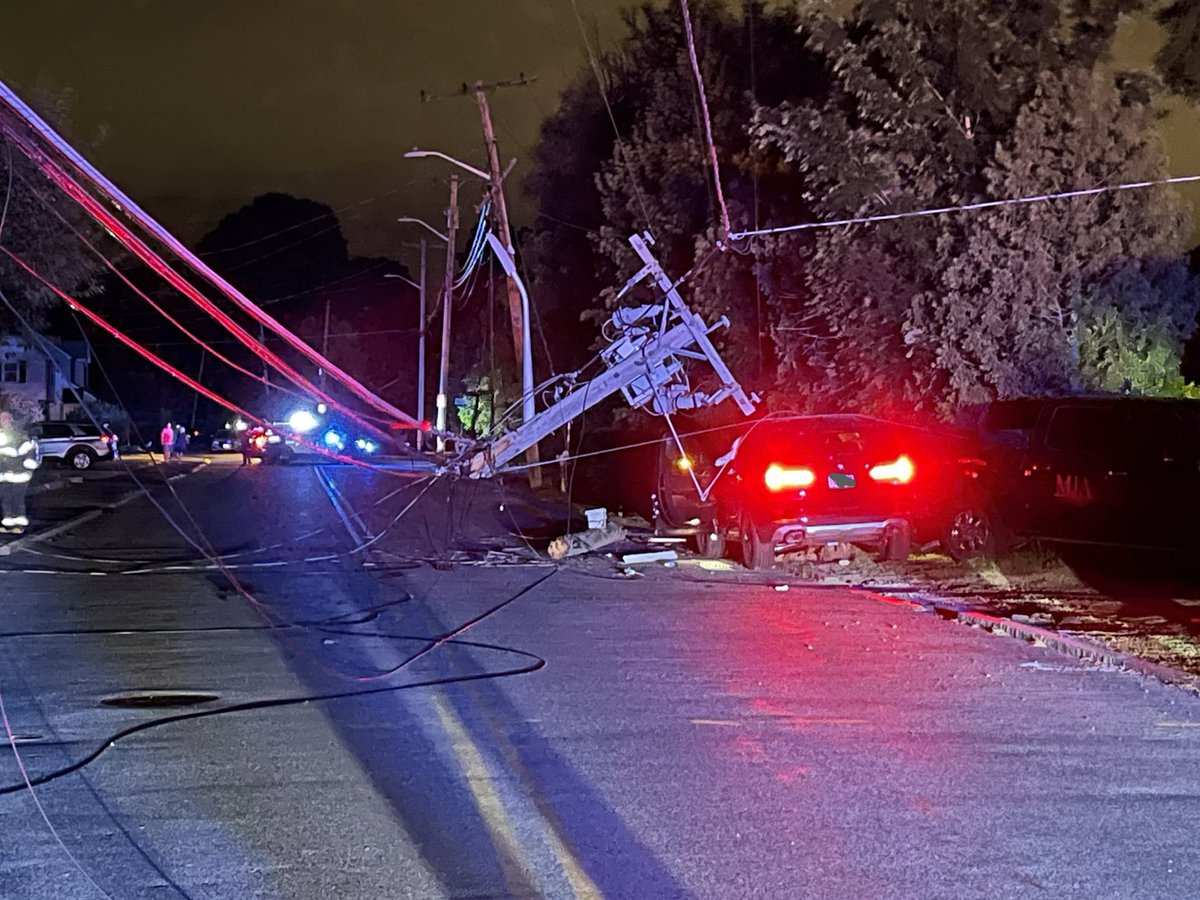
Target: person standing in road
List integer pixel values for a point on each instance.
(168, 441)
(244, 443)
(19, 456)
(181, 442)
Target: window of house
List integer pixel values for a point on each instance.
(13, 372)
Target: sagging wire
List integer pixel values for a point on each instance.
(969, 207)
(158, 361)
(449, 638)
(478, 244)
(59, 174)
(208, 551)
(28, 785)
(723, 234)
(97, 211)
(153, 304)
(599, 75)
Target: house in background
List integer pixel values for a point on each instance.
(46, 372)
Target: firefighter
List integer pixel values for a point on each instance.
(19, 456)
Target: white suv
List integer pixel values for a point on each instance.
(77, 445)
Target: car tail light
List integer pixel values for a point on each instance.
(104, 439)
(780, 478)
(899, 471)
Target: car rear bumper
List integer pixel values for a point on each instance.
(804, 534)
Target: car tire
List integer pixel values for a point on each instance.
(970, 533)
(710, 545)
(756, 553)
(80, 458)
(897, 545)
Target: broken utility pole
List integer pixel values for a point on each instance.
(646, 362)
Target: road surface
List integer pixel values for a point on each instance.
(393, 698)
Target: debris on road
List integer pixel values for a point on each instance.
(654, 556)
(585, 541)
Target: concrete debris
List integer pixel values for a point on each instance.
(585, 541)
(654, 556)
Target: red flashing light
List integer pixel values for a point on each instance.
(780, 478)
(426, 426)
(899, 471)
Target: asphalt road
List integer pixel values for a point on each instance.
(397, 700)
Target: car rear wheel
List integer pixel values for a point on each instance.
(756, 552)
(969, 534)
(710, 542)
(81, 458)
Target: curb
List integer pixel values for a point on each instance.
(1081, 649)
(1078, 648)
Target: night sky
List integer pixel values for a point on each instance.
(195, 108)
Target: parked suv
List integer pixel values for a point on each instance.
(800, 482)
(1099, 470)
(74, 444)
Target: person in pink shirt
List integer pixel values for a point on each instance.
(168, 441)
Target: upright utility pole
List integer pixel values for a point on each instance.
(447, 297)
(421, 352)
(325, 343)
(515, 314)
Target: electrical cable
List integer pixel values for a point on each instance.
(94, 208)
(723, 234)
(141, 350)
(154, 305)
(27, 785)
(635, 183)
(969, 207)
(7, 190)
(431, 644)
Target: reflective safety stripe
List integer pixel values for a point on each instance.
(27, 447)
(30, 463)
(16, 477)
(9, 451)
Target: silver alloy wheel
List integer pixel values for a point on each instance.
(969, 534)
(81, 459)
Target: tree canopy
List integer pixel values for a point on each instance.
(901, 105)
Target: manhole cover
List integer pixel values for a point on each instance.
(159, 698)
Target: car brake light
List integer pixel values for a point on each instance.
(104, 439)
(780, 478)
(899, 471)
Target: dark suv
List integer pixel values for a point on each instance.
(801, 482)
(77, 445)
(1100, 469)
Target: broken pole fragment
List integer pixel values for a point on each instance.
(585, 541)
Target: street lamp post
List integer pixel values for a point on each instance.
(520, 317)
(422, 321)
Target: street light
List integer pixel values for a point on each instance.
(420, 438)
(424, 224)
(421, 154)
(518, 300)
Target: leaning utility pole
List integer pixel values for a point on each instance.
(447, 297)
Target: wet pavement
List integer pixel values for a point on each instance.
(409, 702)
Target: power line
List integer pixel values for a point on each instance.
(712, 149)
(634, 181)
(968, 207)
